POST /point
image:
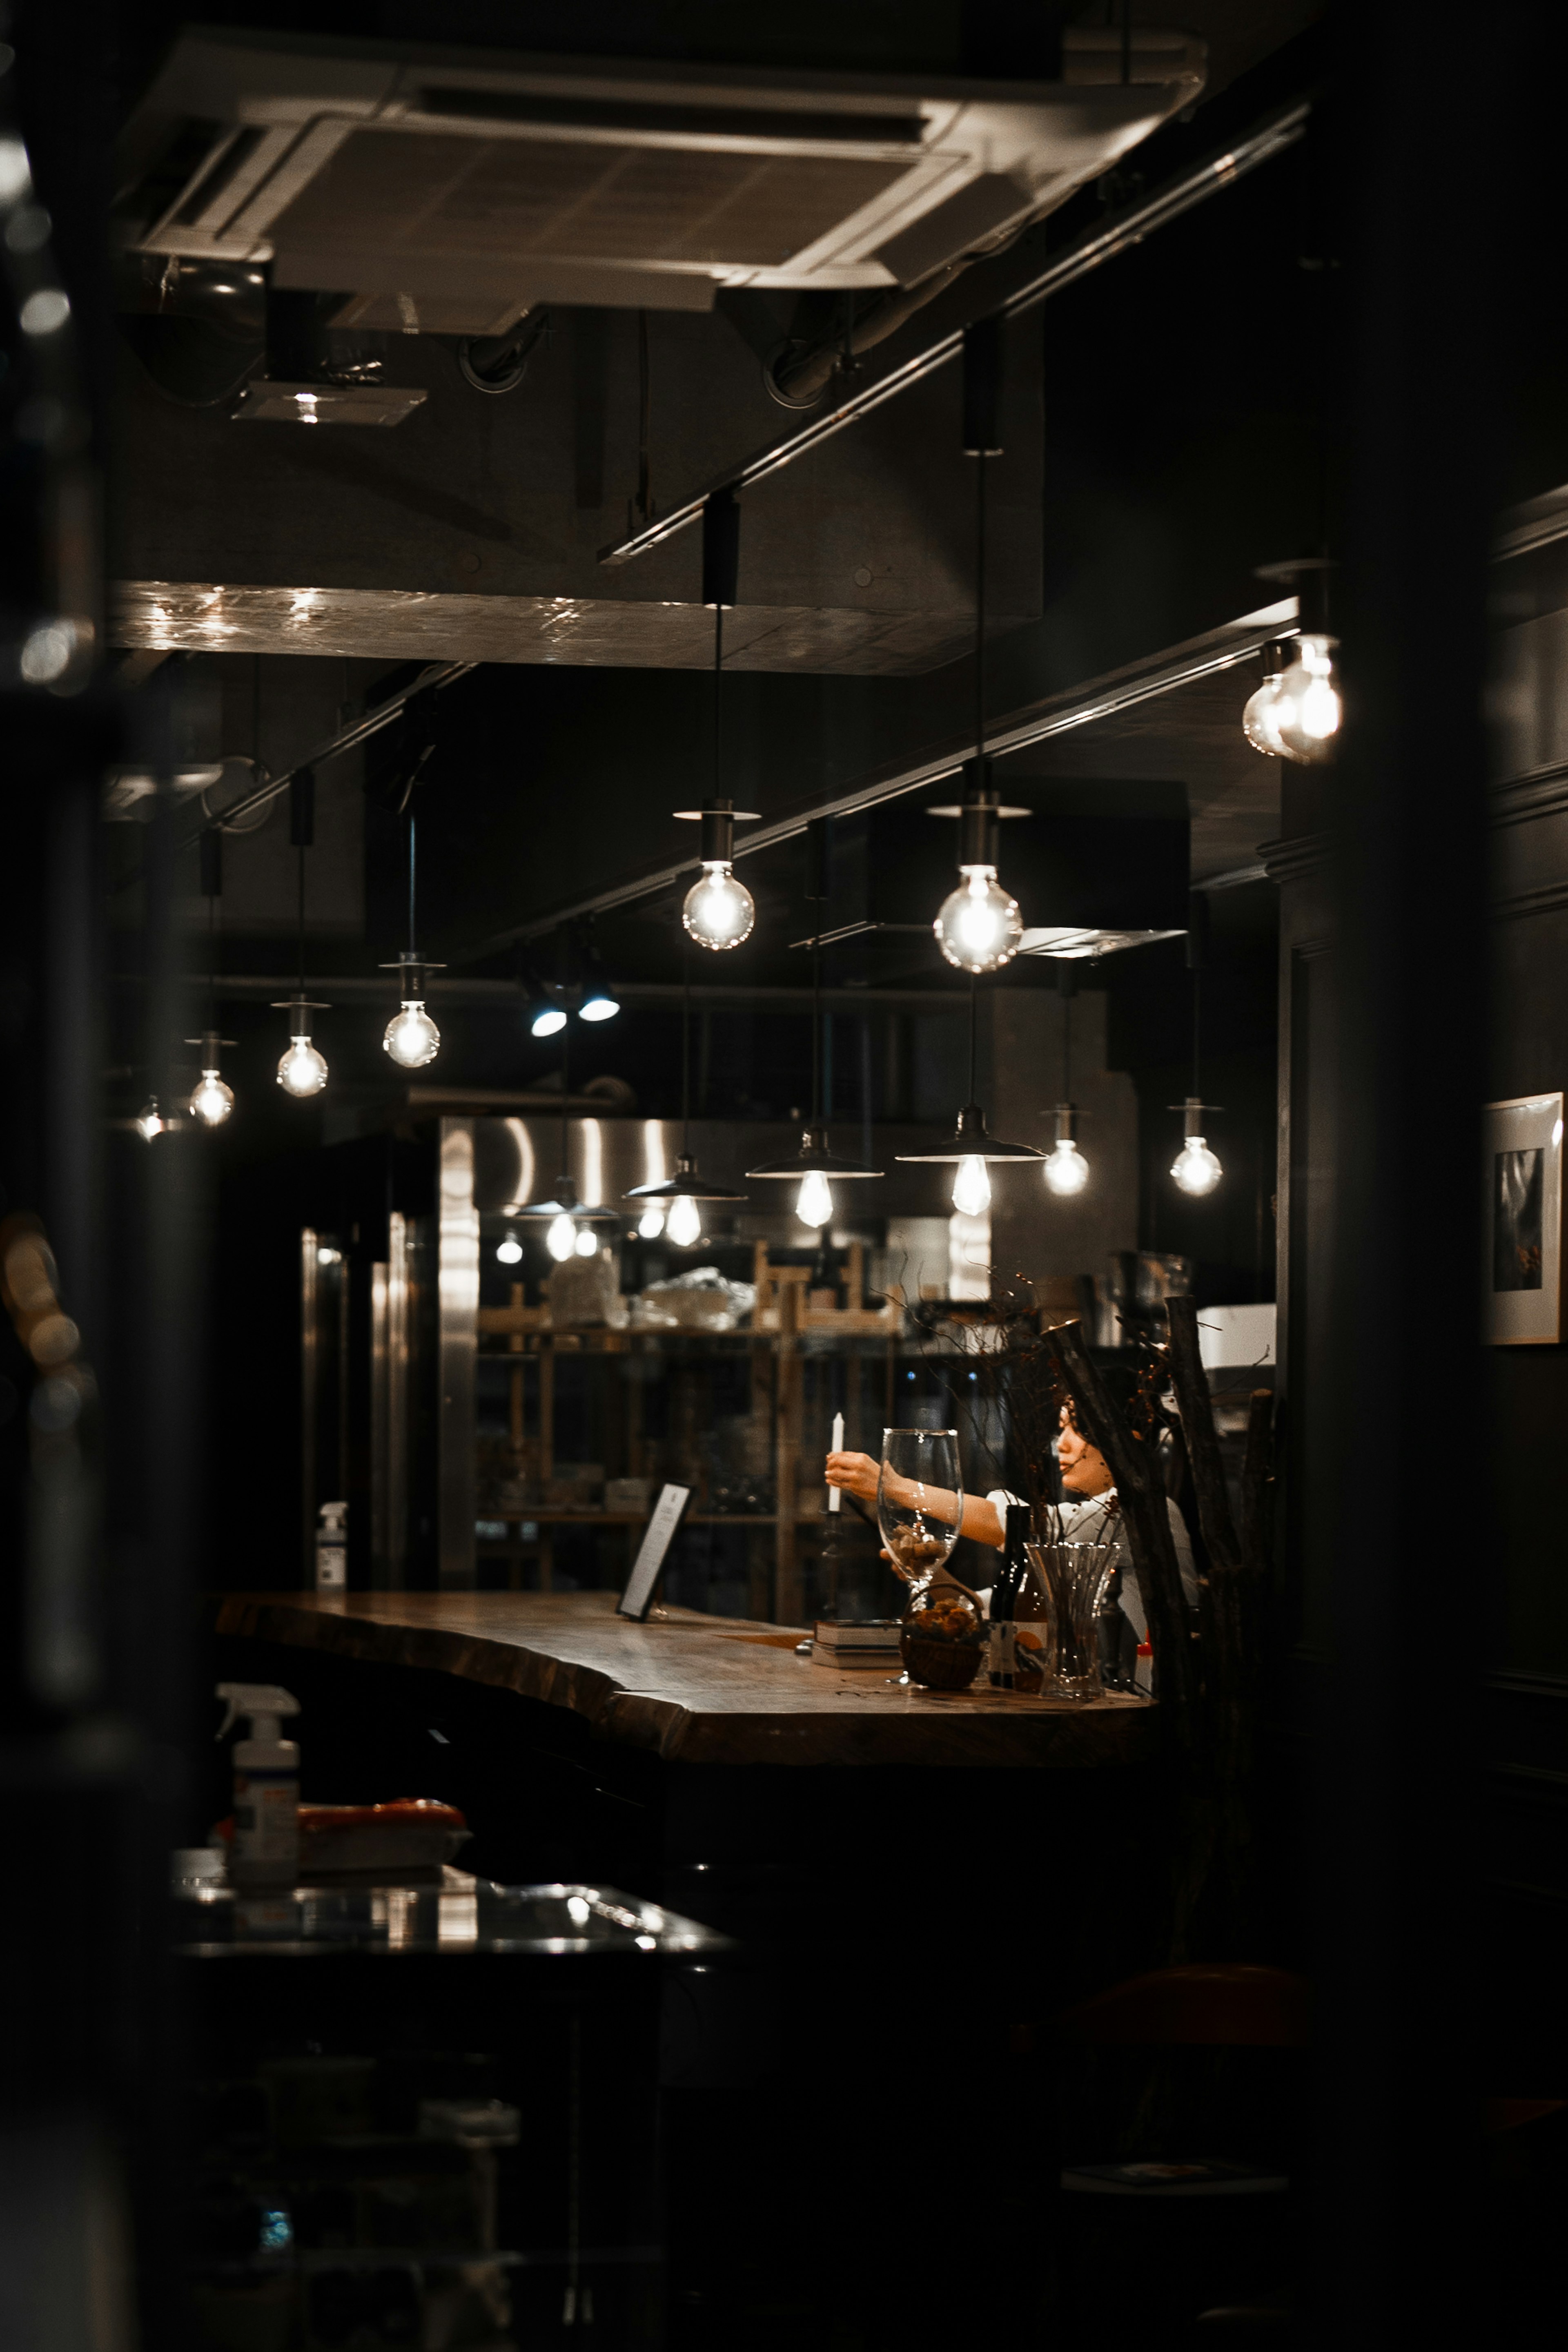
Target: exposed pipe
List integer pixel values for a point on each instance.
(1126, 228)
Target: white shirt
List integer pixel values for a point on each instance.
(1092, 1520)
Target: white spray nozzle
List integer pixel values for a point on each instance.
(255, 1699)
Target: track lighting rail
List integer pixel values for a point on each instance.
(348, 738)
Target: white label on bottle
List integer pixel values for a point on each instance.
(1003, 1660)
(266, 1823)
(331, 1567)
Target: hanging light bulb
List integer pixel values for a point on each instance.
(971, 1187)
(719, 912)
(1261, 719)
(211, 1100)
(510, 1251)
(150, 1122)
(302, 1069)
(684, 1224)
(814, 1201)
(549, 1021)
(587, 1244)
(651, 1224)
(411, 1036)
(561, 1239)
(1066, 1169)
(1195, 1167)
(979, 926)
(1308, 710)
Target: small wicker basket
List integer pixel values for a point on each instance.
(939, 1664)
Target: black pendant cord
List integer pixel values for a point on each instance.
(816, 1036)
(212, 960)
(686, 1050)
(303, 920)
(718, 676)
(974, 1023)
(981, 606)
(565, 1098)
(1067, 1049)
(411, 871)
(1197, 1031)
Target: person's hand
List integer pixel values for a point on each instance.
(857, 1474)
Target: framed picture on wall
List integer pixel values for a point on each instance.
(1522, 1276)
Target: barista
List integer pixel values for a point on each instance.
(1088, 1514)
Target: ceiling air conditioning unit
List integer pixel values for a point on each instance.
(448, 191)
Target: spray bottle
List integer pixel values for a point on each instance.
(267, 1786)
(332, 1548)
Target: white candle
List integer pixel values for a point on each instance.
(835, 1495)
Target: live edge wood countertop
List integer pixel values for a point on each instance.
(696, 1689)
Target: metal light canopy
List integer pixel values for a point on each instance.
(813, 1158)
(686, 1184)
(970, 1140)
(566, 1204)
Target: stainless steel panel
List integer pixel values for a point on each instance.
(378, 1449)
(395, 1573)
(458, 1293)
(309, 1273)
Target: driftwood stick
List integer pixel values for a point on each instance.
(1220, 1597)
(1148, 1527)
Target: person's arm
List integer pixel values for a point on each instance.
(859, 1474)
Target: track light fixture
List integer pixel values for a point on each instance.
(211, 1101)
(719, 912)
(302, 1070)
(812, 1165)
(411, 1036)
(979, 927)
(1196, 1168)
(970, 1146)
(671, 1206)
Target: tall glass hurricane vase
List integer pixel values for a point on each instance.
(919, 1500)
(1072, 1576)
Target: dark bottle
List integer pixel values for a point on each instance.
(1003, 1639)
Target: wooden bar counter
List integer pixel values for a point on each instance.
(690, 1688)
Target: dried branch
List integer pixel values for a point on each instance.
(1220, 1599)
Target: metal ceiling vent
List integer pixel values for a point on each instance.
(433, 193)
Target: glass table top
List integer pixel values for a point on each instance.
(459, 1914)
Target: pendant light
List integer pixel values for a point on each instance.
(969, 1145)
(211, 1100)
(571, 1228)
(979, 927)
(719, 912)
(1196, 1168)
(671, 1206)
(1296, 713)
(150, 1122)
(302, 1071)
(1066, 1169)
(411, 1036)
(813, 1166)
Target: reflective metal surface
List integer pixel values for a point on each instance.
(459, 1916)
(457, 1287)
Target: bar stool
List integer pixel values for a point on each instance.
(1149, 2243)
